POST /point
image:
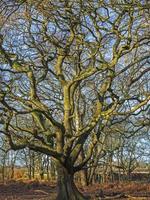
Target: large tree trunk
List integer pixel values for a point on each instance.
(66, 188)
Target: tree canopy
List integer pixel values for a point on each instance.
(70, 68)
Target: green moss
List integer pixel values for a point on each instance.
(16, 66)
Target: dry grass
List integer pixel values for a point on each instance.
(35, 190)
(26, 190)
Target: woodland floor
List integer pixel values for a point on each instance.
(27, 190)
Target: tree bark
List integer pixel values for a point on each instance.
(66, 188)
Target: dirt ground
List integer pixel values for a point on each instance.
(35, 190)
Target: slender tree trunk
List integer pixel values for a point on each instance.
(33, 164)
(83, 175)
(91, 176)
(66, 188)
(12, 171)
(52, 170)
(129, 175)
(3, 168)
(42, 173)
(30, 166)
(47, 168)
